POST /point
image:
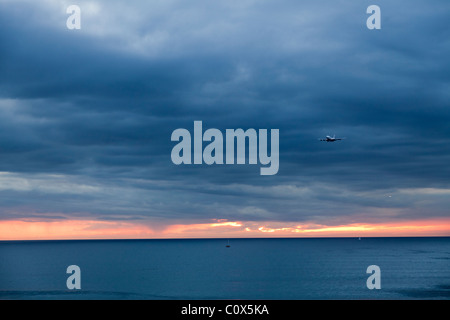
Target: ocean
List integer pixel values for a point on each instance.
(205, 269)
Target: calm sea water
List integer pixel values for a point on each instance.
(330, 268)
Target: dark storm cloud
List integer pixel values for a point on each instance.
(97, 107)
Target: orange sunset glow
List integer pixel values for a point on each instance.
(94, 229)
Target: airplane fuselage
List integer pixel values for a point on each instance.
(330, 139)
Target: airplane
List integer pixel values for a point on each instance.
(331, 139)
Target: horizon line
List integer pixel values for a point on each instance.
(219, 238)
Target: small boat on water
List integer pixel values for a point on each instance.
(228, 244)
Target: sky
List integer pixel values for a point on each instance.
(86, 117)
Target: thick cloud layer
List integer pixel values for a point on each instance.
(86, 115)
